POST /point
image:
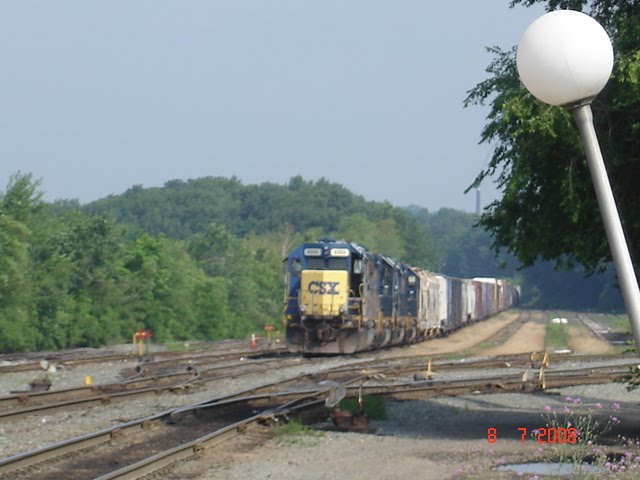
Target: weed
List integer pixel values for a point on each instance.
(293, 431)
(375, 407)
(176, 346)
(591, 422)
(555, 337)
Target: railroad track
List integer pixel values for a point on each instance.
(156, 357)
(157, 378)
(535, 360)
(27, 403)
(604, 332)
(513, 382)
(151, 443)
(137, 448)
(502, 335)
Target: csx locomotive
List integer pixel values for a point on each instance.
(340, 298)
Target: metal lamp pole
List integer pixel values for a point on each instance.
(612, 225)
(565, 58)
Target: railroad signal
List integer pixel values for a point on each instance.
(139, 337)
(268, 328)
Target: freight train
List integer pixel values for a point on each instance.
(341, 298)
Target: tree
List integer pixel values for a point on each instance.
(18, 206)
(548, 209)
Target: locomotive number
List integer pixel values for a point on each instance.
(323, 288)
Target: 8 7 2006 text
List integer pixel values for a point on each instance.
(543, 435)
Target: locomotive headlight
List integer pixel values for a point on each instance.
(343, 309)
(303, 308)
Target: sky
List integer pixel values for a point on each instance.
(96, 97)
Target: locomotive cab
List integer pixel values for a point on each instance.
(324, 289)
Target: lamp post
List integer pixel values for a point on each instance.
(565, 58)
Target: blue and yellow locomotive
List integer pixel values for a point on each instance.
(340, 298)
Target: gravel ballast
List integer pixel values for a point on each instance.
(436, 438)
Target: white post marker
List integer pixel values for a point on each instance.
(565, 58)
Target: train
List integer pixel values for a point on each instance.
(341, 298)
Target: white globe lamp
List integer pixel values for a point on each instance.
(564, 57)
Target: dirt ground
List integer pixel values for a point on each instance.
(528, 338)
(461, 340)
(583, 341)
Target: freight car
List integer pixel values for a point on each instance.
(340, 298)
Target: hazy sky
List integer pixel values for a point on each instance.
(96, 96)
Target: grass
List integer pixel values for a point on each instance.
(293, 431)
(176, 346)
(375, 407)
(618, 323)
(555, 337)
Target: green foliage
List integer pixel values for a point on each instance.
(548, 209)
(555, 337)
(293, 431)
(464, 250)
(374, 407)
(70, 279)
(305, 210)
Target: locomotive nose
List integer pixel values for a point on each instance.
(324, 293)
